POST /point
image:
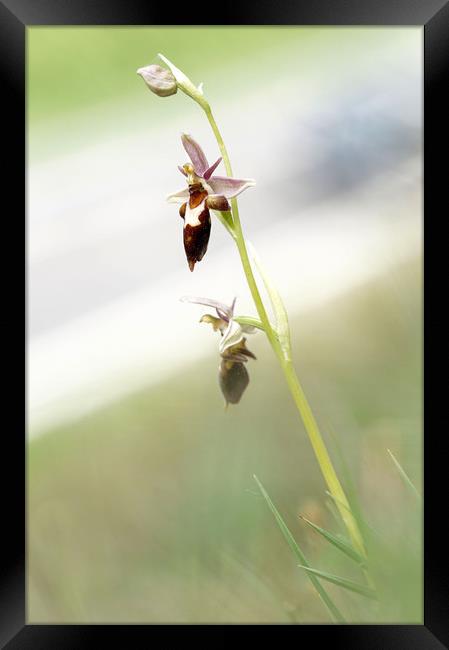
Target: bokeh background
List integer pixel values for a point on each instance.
(141, 502)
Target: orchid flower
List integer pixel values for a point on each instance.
(205, 192)
(233, 376)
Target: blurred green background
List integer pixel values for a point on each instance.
(142, 507)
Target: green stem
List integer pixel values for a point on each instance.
(284, 358)
(322, 455)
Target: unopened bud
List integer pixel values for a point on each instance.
(159, 80)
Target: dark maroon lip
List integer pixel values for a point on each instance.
(196, 239)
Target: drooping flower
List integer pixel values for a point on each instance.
(204, 192)
(233, 376)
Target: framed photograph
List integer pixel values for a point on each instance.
(224, 229)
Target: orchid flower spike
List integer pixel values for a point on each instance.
(233, 377)
(204, 192)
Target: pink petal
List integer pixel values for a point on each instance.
(179, 197)
(223, 310)
(208, 173)
(229, 313)
(181, 170)
(195, 153)
(230, 187)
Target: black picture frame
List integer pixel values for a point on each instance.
(433, 16)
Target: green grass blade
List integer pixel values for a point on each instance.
(333, 609)
(349, 485)
(362, 521)
(404, 477)
(341, 582)
(332, 508)
(344, 546)
(337, 501)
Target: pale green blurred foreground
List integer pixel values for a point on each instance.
(147, 511)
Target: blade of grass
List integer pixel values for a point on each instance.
(363, 523)
(404, 477)
(365, 527)
(350, 488)
(332, 508)
(337, 501)
(333, 609)
(344, 546)
(341, 582)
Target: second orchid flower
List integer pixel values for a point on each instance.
(233, 377)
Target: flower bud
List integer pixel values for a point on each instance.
(159, 80)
